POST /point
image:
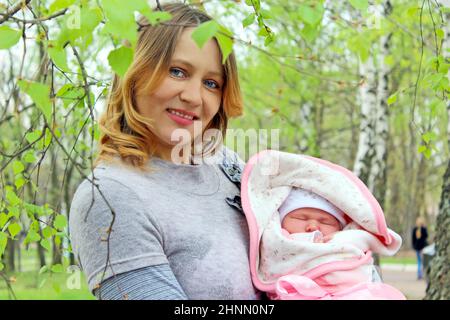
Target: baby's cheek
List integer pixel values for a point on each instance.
(329, 230)
(293, 226)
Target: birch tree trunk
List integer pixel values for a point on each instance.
(439, 271)
(370, 162)
(371, 157)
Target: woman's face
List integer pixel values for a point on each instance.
(309, 220)
(190, 92)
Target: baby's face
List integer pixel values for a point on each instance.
(309, 220)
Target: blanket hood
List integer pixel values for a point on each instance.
(267, 180)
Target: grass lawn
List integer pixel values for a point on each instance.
(398, 260)
(56, 286)
(30, 285)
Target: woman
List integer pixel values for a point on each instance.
(419, 241)
(158, 226)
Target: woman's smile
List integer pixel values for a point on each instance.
(181, 117)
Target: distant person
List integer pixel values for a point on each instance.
(419, 241)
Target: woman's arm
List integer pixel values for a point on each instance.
(149, 283)
(135, 243)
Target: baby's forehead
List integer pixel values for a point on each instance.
(311, 212)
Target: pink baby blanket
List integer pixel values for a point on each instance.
(287, 268)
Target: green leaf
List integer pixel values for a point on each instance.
(9, 37)
(57, 268)
(309, 33)
(70, 94)
(47, 139)
(60, 4)
(58, 240)
(3, 242)
(205, 32)
(46, 244)
(361, 5)
(13, 211)
(33, 136)
(268, 40)
(58, 56)
(428, 136)
(29, 157)
(65, 88)
(392, 99)
(32, 236)
(412, 11)
(96, 132)
(46, 210)
(19, 181)
(265, 14)
(225, 42)
(120, 21)
(32, 209)
(44, 269)
(360, 44)
(3, 219)
(78, 26)
(2, 266)
(12, 198)
(249, 20)
(14, 229)
(17, 166)
(440, 34)
(47, 232)
(263, 32)
(311, 15)
(437, 106)
(254, 3)
(120, 59)
(39, 93)
(60, 222)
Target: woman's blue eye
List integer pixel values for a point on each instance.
(178, 73)
(211, 84)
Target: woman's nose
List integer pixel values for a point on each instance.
(191, 92)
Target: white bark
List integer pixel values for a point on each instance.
(307, 124)
(368, 100)
(370, 162)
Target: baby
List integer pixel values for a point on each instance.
(313, 228)
(307, 216)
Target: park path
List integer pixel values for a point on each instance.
(404, 278)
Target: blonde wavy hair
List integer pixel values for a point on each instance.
(126, 133)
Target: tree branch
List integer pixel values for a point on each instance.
(14, 10)
(38, 20)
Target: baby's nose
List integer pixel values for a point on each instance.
(312, 227)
